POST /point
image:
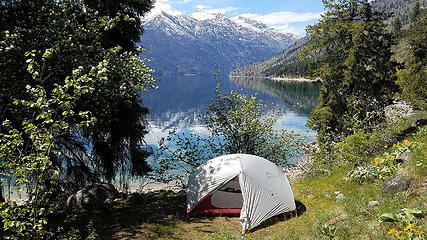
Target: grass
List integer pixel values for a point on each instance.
(321, 215)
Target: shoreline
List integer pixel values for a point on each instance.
(294, 79)
(280, 79)
(301, 169)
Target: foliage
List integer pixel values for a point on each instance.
(356, 148)
(356, 70)
(237, 123)
(413, 78)
(405, 216)
(410, 229)
(83, 33)
(419, 146)
(328, 231)
(27, 151)
(381, 166)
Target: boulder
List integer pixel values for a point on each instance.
(403, 157)
(396, 184)
(97, 196)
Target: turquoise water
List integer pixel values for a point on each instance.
(180, 99)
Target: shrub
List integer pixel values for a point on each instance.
(405, 224)
(356, 148)
(237, 123)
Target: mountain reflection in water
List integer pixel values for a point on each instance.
(180, 99)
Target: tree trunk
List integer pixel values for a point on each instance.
(1, 200)
(1, 194)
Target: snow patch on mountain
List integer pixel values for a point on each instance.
(205, 41)
(202, 15)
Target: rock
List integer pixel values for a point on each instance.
(133, 197)
(97, 196)
(396, 184)
(372, 203)
(339, 196)
(403, 157)
(109, 202)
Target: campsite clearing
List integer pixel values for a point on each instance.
(321, 214)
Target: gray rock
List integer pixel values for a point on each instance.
(339, 196)
(97, 196)
(396, 184)
(403, 157)
(372, 203)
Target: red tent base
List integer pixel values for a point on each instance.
(205, 208)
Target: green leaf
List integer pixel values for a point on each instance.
(388, 217)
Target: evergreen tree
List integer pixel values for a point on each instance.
(397, 27)
(355, 67)
(413, 79)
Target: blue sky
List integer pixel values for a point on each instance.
(283, 15)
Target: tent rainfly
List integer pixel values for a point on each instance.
(241, 184)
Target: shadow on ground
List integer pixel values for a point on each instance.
(282, 217)
(149, 215)
(153, 216)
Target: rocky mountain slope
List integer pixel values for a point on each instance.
(203, 42)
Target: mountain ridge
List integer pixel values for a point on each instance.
(202, 42)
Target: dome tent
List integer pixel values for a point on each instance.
(239, 183)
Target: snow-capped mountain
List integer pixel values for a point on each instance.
(202, 42)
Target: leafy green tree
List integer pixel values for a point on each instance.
(237, 123)
(356, 71)
(83, 33)
(27, 152)
(413, 78)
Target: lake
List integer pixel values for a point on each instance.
(181, 99)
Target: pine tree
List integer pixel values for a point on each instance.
(397, 27)
(355, 67)
(413, 79)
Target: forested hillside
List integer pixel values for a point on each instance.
(286, 64)
(401, 9)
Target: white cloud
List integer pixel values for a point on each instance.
(281, 20)
(184, 1)
(282, 17)
(200, 6)
(163, 5)
(219, 10)
(288, 29)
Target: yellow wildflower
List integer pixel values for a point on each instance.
(416, 232)
(385, 146)
(409, 227)
(377, 160)
(392, 232)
